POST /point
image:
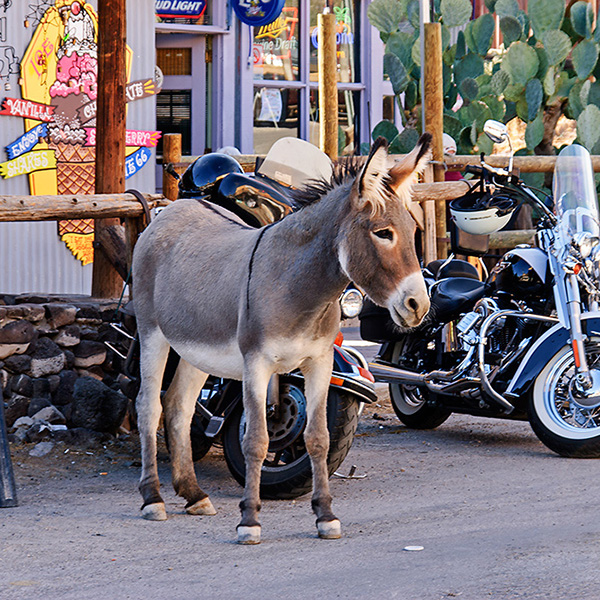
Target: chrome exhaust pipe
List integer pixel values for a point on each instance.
(390, 374)
(452, 384)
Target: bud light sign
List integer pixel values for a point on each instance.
(257, 12)
(180, 9)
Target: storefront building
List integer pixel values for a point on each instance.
(229, 84)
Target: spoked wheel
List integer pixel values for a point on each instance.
(564, 421)
(411, 403)
(287, 472)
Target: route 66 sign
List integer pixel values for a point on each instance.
(257, 12)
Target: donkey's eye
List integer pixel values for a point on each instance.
(384, 234)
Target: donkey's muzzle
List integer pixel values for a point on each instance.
(410, 303)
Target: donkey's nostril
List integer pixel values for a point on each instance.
(412, 304)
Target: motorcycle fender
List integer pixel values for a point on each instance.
(545, 347)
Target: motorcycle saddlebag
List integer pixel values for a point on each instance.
(376, 324)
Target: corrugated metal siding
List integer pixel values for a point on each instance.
(32, 257)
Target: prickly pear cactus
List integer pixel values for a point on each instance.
(548, 66)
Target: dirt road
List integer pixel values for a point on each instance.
(498, 516)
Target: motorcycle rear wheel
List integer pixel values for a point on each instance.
(287, 472)
(410, 402)
(566, 428)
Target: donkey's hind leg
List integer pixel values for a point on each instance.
(255, 446)
(178, 404)
(154, 350)
(317, 375)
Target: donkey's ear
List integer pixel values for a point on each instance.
(404, 173)
(372, 181)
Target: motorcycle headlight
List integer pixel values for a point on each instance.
(351, 303)
(584, 242)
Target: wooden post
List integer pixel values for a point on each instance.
(328, 94)
(110, 132)
(429, 235)
(433, 105)
(171, 154)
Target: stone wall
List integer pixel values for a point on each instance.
(56, 373)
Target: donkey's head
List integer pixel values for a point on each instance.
(376, 246)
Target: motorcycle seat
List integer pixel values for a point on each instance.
(455, 295)
(454, 268)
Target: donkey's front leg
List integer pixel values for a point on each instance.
(317, 374)
(179, 403)
(255, 446)
(154, 350)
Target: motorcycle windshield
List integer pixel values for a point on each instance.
(575, 193)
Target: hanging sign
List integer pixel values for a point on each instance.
(136, 161)
(27, 141)
(180, 9)
(37, 160)
(148, 139)
(27, 109)
(257, 12)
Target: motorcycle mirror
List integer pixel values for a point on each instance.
(496, 131)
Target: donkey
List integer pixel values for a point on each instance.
(245, 303)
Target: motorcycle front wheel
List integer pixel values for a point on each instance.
(286, 472)
(410, 402)
(565, 427)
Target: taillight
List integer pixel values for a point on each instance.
(339, 339)
(366, 374)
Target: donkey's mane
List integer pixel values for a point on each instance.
(344, 171)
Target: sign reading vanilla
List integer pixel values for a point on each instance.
(59, 89)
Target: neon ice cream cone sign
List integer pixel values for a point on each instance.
(59, 90)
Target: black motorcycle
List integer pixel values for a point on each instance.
(219, 416)
(524, 343)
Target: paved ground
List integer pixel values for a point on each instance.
(497, 514)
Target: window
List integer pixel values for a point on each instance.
(173, 115)
(285, 75)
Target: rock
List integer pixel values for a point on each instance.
(50, 414)
(89, 313)
(69, 359)
(18, 364)
(95, 406)
(20, 435)
(64, 391)
(7, 350)
(41, 387)
(22, 422)
(96, 372)
(82, 437)
(59, 315)
(17, 332)
(41, 449)
(47, 358)
(53, 382)
(89, 333)
(68, 336)
(15, 338)
(22, 384)
(15, 407)
(37, 404)
(3, 313)
(30, 312)
(40, 430)
(4, 378)
(88, 354)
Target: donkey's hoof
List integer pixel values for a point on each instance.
(202, 507)
(154, 512)
(330, 530)
(248, 535)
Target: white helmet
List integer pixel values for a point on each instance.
(481, 213)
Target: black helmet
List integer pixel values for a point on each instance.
(205, 171)
(518, 274)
